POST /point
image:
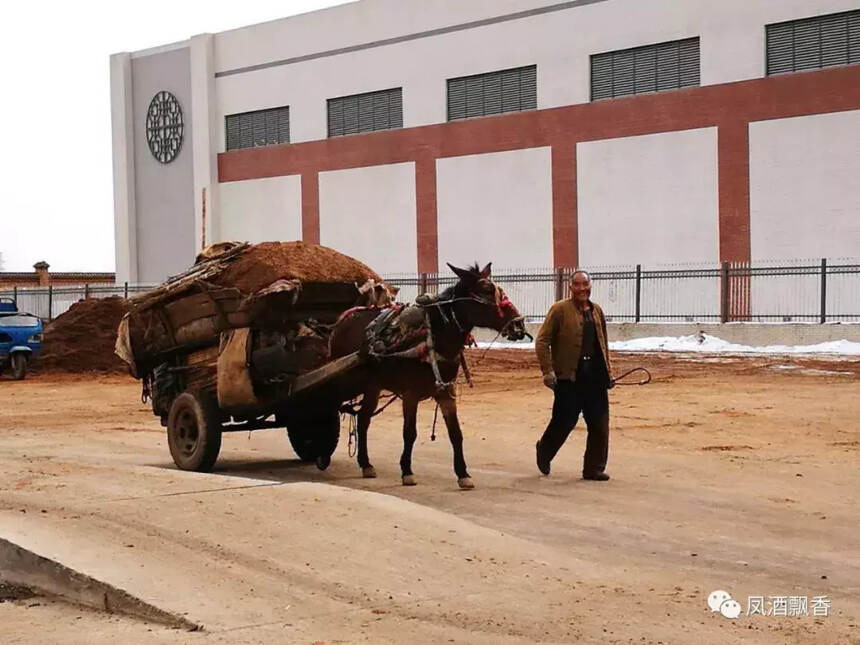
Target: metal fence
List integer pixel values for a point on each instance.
(50, 302)
(800, 291)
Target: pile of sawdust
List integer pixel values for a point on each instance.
(262, 264)
(83, 338)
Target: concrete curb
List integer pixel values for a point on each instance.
(19, 566)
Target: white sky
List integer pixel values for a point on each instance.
(56, 185)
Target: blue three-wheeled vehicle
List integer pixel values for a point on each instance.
(20, 338)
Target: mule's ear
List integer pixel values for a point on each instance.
(462, 273)
(485, 272)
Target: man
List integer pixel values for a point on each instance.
(574, 359)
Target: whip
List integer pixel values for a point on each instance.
(644, 381)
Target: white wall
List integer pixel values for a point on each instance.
(805, 171)
(122, 135)
(164, 200)
(495, 207)
(370, 214)
(261, 210)
(648, 200)
(560, 43)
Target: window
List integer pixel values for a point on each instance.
(259, 128)
(653, 68)
(368, 112)
(813, 43)
(510, 90)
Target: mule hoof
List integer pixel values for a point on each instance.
(466, 483)
(409, 480)
(323, 461)
(369, 472)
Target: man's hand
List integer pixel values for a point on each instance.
(549, 380)
(611, 383)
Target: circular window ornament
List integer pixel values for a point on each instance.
(164, 126)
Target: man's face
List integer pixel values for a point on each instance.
(580, 287)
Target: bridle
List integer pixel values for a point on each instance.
(500, 301)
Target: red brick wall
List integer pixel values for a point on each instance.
(729, 107)
(32, 281)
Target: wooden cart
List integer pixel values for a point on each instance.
(213, 359)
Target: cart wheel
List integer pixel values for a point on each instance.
(314, 437)
(19, 366)
(194, 432)
(302, 440)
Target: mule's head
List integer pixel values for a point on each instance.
(486, 303)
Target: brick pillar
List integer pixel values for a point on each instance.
(42, 273)
(426, 215)
(733, 169)
(311, 207)
(734, 219)
(565, 243)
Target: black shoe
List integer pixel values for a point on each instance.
(597, 477)
(542, 464)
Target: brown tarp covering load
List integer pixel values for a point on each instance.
(223, 290)
(82, 339)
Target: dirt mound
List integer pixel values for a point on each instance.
(264, 263)
(83, 338)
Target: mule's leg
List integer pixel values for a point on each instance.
(368, 407)
(410, 433)
(449, 412)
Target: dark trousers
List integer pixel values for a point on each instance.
(591, 399)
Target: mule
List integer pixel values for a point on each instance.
(474, 301)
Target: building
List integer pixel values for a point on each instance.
(533, 133)
(41, 277)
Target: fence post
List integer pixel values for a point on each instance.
(15, 295)
(638, 290)
(125, 291)
(422, 283)
(559, 283)
(724, 292)
(50, 302)
(823, 317)
(86, 291)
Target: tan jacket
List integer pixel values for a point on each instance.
(559, 341)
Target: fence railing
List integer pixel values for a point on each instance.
(801, 291)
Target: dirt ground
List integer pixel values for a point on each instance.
(728, 473)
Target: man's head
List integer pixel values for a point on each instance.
(580, 287)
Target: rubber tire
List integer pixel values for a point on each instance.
(187, 412)
(314, 436)
(19, 366)
(301, 439)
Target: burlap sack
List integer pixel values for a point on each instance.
(235, 389)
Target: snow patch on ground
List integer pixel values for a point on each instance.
(706, 344)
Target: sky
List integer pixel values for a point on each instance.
(56, 183)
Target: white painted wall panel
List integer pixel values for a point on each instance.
(805, 187)
(261, 210)
(649, 200)
(560, 43)
(495, 207)
(370, 214)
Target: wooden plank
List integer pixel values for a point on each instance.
(326, 372)
(327, 293)
(199, 305)
(205, 356)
